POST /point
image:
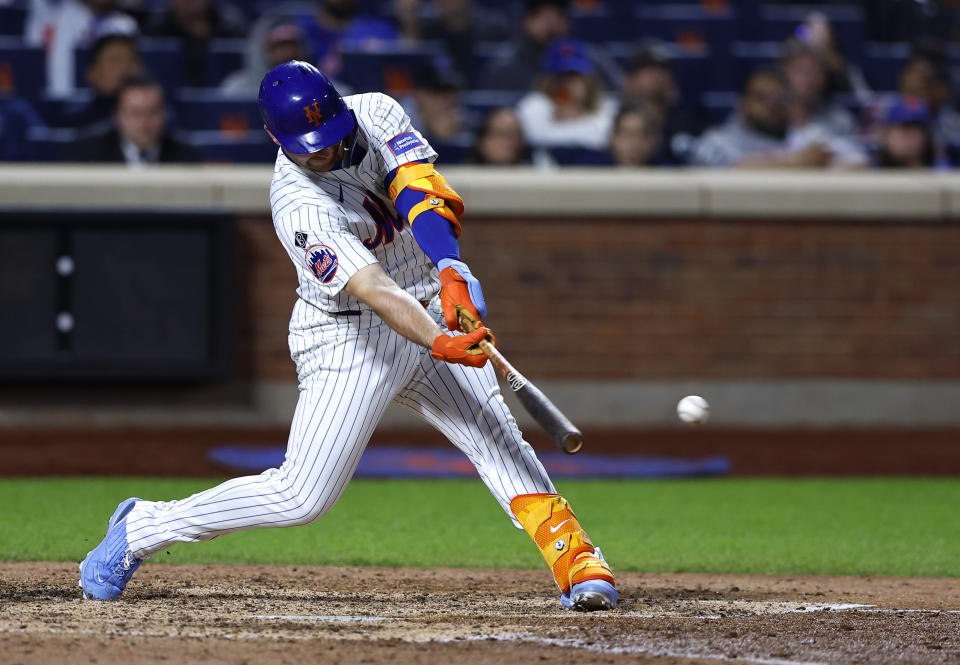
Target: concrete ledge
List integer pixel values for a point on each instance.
(818, 195)
(104, 187)
(582, 193)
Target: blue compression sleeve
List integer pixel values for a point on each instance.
(434, 233)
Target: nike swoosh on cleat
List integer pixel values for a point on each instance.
(99, 579)
(554, 529)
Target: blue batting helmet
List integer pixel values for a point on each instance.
(302, 109)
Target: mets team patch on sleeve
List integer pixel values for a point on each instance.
(400, 143)
(322, 262)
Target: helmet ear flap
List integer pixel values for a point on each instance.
(350, 142)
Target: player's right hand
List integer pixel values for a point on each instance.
(458, 286)
(462, 349)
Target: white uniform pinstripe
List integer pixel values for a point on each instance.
(350, 364)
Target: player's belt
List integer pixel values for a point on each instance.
(357, 312)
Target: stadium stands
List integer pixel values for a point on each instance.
(712, 46)
(22, 70)
(12, 19)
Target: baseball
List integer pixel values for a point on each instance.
(693, 409)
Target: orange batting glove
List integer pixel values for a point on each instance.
(458, 286)
(461, 349)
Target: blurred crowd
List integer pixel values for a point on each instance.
(499, 83)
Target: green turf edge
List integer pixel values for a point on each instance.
(862, 526)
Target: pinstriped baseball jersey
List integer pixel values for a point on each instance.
(334, 223)
(351, 364)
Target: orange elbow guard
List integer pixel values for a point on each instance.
(437, 194)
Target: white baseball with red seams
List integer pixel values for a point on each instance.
(350, 364)
(694, 410)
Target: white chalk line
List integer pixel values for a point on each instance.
(323, 618)
(150, 633)
(796, 607)
(881, 610)
(789, 607)
(634, 650)
(855, 608)
(507, 637)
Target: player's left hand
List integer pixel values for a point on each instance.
(462, 349)
(458, 286)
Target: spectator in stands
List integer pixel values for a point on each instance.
(139, 136)
(759, 134)
(500, 140)
(113, 59)
(17, 118)
(195, 23)
(905, 139)
(840, 75)
(434, 106)
(806, 77)
(68, 25)
(635, 140)
(649, 81)
(516, 65)
(927, 79)
(568, 108)
(337, 24)
(281, 41)
(456, 26)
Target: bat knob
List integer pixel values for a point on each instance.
(572, 443)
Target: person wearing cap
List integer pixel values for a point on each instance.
(812, 116)
(458, 26)
(113, 59)
(806, 75)
(338, 24)
(649, 82)
(568, 108)
(272, 41)
(66, 26)
(817, 34)
(194, 23)
(905, 139)
(926, 77)
(516, 65)
(435, 106)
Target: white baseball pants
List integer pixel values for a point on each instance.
(349, 372)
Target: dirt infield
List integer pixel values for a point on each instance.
(260, 614)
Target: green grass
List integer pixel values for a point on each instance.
(845, 526)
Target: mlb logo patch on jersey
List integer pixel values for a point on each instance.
(401, 143)
(322, 262)
(300, 239)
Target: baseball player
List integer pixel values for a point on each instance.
(371, 228)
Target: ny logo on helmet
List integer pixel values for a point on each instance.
(313, 114)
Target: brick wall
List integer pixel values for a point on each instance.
(663, 299)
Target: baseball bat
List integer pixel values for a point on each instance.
(557, 426)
